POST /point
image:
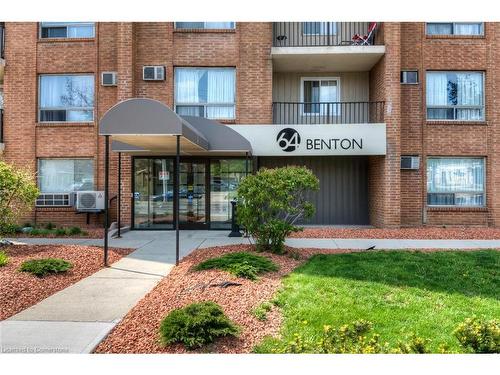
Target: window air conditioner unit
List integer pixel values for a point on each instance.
(109, 79)
(410, 162)
(153, 73)
(89, 200)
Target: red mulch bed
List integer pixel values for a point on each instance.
(20, 290)
(138, 331)
(430, 233)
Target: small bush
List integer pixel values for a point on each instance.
(241, 264)
(354, 338)
(260, 312)
(272, 202)
(43, 267)
(416, 345)
(27, 224)
(479, 336)
(10, 229)
(74, 231)
(39, 232)
(50, 226)
(60, 232)
(196, 325)
(4, 259)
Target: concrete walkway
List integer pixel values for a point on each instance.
(77, 318)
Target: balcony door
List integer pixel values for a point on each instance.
(320, 96)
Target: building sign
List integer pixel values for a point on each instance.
(164, 175)
(310, 140)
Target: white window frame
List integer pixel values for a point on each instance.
(204, 27)
(64, 108)
(485, 203)
(65, 24)
(483, 106)
(213, 104)
(306, 79)
(453, 24)
(333, 31)
(45, 195)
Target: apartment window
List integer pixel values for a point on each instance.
(205, 25)
(57, 178)
(66, 98)
(455, 96)
(319, 28)
(455, 182)
(205, 92)
(409, 77)
(455, 28)
(318, 94)
(67, 30)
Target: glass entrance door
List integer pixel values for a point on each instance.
(192, 195)
(153, 193)
(206, 188)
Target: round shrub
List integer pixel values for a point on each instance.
(4, 259)
(43, 267)
(479, 336)
(196, 325)
(272, 202)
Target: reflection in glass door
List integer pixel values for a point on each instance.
(192, 195)
(153, 193)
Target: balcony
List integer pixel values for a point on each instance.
(305, 113)
(317, 46)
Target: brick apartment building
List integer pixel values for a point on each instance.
(398, 120)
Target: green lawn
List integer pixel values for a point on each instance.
(400, 292)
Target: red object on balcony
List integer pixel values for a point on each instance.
(360, 40)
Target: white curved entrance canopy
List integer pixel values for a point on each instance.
(143, 125)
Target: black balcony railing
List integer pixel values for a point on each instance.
(309, 34)
(304, 113)
(1, 125)
(2, 41)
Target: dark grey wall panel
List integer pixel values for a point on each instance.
(343, 194)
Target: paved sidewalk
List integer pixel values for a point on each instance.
(77, 318)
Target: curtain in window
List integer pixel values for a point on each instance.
(320, 28)
(70, 93)
(458, 181)
(213, 88)
(81, 31)
(56, 176)
(189, 87)
(204, 25)
(439, 28)
(219, 25)
(324, 91)
(467, 29)
(469, 93)
(220, 90)
(65, 175)
(450, 89)
(437, 94)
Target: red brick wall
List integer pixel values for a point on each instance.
(396, 197)
(383, 175)
(124, 48)
(425, 139)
